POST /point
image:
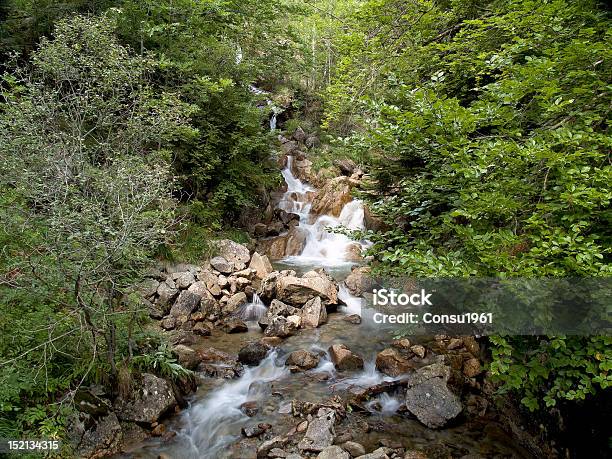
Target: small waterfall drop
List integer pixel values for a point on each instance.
(214, 423)
(252, 311)
(322, 248)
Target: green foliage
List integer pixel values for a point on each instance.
(162, 362)
(484, 126)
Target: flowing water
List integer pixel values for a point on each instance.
(211, 427)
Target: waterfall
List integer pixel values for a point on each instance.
(322, 248)
(214, 423)
(252, 311)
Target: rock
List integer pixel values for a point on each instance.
(333, 452)
(344, 359)
(418, 350)
(249, 408)
(297, 291)
(261, 264)
(232, 251)
(294, 321)
(211, 281)
(272, 341)
(380, 453)
(346, 166)
(301, 427)
(199, 288)
(353, 252)
(235, 325)
(234, 302)
(221, 265)
(454, 343)
(187, 357)
(303, 359)
(313, 313)
(275, 228)
(185, 304)
(185, 280)
(279, 326)
(269, 445)
(148, 287)
(320, 433)
(299, 135)
(278, 308)
(289, 147)
(267, 288)
(359, 281)
(158, 430)
(414, 454)
(277, 453)
(90, 401)
(312, 141)
(354, 449)
(168, 323)
(102, 439)
(156, 310)
(260, 229)
(153, 398)
(403, 343)
(202, 329)
(352, 319)
(429, 398)
(302, 167)
(253, 431)
(296, 241)
(471, 368)
(253, 353)
(471, 345)
(373, 222)
(167, 292)
(332, 197)
(391, 363)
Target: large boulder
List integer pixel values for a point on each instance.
(333, 452)
(359, 281)
(347, 166)
(392, 363)
(267, 288)
(222, 265)
(184, 280)
(280, 326)
(344, 359)
(167, 292)
(320, 433)
(297, 291)
(235, 325)
(333, 196)
(232, 251)
(235, 301)
(302, 359)
(278, 308)
(299, 135)
(187, 357)
(148, 403)
(429, 398)
(186, 303)
(261, 265)
(253, 353)
(103, 439)
(302, 168)
(313, 313)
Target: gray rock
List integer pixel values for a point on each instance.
(392, 363)
(269, 445)
(355, 449)
(167, 292)
(313, 313)
(359, 281)
(185, 304)
(221, 265)
(153, 398)
(299, 135)
(102, 439)
(187, 357)
(235, 301)
(235, 325)
(253, 353)
(380, 453)
(232, 251)
(297, 291)
(333, 452)
(185, 280)
(148, 287)
(352, 319)
(278, 308)
(261, 265)
(320, 433)
(279, 326)
(202, 329)
(429, 398)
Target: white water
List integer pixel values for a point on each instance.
(252, 311)
(215, 422)
(323, 248)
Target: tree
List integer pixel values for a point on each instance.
(86, 200)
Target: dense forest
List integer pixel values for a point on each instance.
(137, 132)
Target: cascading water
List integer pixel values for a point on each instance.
(252, 311)
(213, 423)
(323, 247)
